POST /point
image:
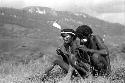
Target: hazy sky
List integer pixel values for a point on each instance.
(110, 10)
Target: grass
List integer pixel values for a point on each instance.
(19, 67)
(17, 71)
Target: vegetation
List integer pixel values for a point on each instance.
(28, 42)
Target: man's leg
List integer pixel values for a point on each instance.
(46, 73)
(80, 67)
(96, 64)
(62, 64)
(108, 65)
(57, 61)
(100, 63)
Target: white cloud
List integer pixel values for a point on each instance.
(113, 17)
(89, 6)
(12, 3)
(49, 3)
(57, 3)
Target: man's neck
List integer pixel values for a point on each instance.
(68, 44)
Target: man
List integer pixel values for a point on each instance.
(66, 54)
(69, 49)
(95, 47)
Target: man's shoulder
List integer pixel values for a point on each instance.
(97, 38)
(100, 43)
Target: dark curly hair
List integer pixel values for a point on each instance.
(83, 30)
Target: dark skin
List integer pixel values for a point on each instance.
(98, 55)
(103, 51)
(58, 59)
(69, 42)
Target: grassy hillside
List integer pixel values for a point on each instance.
(28, 41)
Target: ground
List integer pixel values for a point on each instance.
(31, 71)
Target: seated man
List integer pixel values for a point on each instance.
(66, 53)
(68, 49)
(95, 47)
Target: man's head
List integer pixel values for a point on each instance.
(83, 31)
(68, 35)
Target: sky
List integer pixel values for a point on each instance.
(109, 10)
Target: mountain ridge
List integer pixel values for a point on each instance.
(43, 18)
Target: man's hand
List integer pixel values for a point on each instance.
(84, 48)
(59, 52)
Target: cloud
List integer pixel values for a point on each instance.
(113, 17)
(109, 10)
(110, 7)
(49, 3)
(56, 3)
(67, 4)
(12, 3)
(113, 11)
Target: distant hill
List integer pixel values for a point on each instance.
(36, 24)
(30, 36)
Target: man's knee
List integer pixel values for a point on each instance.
(62, 64)
(95, 58)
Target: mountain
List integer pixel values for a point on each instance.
(29, 33)
(42, 24)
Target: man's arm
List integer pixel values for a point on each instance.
(103, 49)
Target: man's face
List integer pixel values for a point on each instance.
(67, 38)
